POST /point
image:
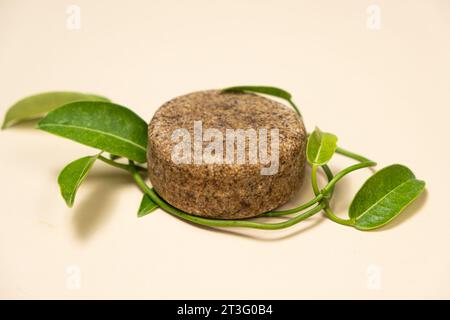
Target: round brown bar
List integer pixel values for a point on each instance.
(225, 190)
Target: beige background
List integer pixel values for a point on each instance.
(385, 93)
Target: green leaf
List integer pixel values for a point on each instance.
(147, 206)
(320, 147)
(102, 125)
(272, 91)
(383, 196)
(72, 176)
(36, 106)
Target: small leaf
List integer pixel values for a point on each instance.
(272, 91)
(321, 147)
(102, 125)
(383, 196)
(36, 106)
(147, 206)
(72, 176)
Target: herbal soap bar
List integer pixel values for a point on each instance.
(226, 155)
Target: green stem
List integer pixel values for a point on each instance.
(346, 171)
(320, 198)
(329, 213)
(294, 210)
(317, 198)
(352, 155)
(294, 106)
(329, 187)
(314, 183)
(126, 167)
(217, 222)
(330, 176)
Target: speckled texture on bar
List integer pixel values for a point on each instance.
(225, 191)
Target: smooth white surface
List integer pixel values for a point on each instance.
(384, 93)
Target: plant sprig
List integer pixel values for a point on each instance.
(94, 121)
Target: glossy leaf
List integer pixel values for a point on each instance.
(147, 206)
(272, 91)
(36, 106)
(383, 197)
(72, 176)
(102, 125)
(321, 147)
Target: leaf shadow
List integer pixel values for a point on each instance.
(104, 183)
(408, 213)
(262, 235)
(95, 209)
(303, 194)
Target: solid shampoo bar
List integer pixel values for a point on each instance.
(226, 155)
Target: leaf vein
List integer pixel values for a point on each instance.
(96, 131)
(381, 199)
